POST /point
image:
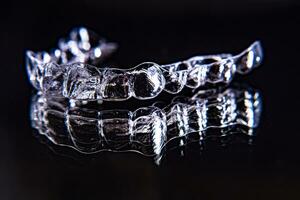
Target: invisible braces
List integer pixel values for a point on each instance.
(67, 71)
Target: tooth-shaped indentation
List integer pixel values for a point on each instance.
(175, 76)
(250, 58)
(204, 68)
(116, 84)
(35, 67)
(196, 76)
(221, 71)
(52, 82)
(148, 80)
(82, 82)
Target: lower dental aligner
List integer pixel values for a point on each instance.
(146, 130)
(65, 72)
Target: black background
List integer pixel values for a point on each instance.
(159, 31)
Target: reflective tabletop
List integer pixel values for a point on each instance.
(237, 142)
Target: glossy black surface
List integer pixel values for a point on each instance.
(159, 32)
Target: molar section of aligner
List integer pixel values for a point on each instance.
(175, 75)
(116, 84)
(250, 58)
(147, 81)
(53, 78)
(82, 82)
(149, 130)
(83, 128)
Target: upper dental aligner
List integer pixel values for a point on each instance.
(65, 71)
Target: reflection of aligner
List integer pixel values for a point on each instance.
(147, 130)
(206, 110)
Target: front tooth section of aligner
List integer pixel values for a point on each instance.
(198, 70)
(175, 77)
(249, 59)
(82, 82)
(196, 76)
(147, 81)
(116, 85)
(221, 72)
(213, 69)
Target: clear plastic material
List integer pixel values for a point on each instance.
(146, 130)
(67, 71)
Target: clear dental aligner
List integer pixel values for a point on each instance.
(67, 71)
(147, 130)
